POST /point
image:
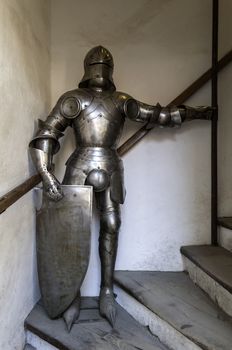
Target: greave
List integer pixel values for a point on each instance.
(108, 243)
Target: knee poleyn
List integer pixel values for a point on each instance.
(110, 222)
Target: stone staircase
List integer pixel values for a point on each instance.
(224, 232)
(187, 310)
(91, 332)
(211, 269)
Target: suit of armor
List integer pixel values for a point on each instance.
(97, 112)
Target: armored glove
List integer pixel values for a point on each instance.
(51, 185)
(202, 112)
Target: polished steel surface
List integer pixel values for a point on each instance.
(12, 196)
(43, 161)
(98, 65)
(99, 179)
(97, 112)
(63, 246)
(85, 160)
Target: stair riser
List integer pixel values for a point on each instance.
(29, 347)
(38, 343)
(216, 292)
(158, 327)
(225, 238)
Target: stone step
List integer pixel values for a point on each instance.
(225, 232)
(210, 268)
(29, 347)
(215, 261)
(174, 309)
(91, 331)
(225, 238)
(225, 221)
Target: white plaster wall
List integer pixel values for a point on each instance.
(225, 115)
(159, 47)
(24, 66)
(225, 126)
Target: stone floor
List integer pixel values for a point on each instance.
(177, 304)
(90, 332)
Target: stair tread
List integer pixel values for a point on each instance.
(92, 331)
(226, 222)
(174, 298)
(28, 347)
(215, 261)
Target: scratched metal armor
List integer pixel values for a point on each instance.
(97, 112)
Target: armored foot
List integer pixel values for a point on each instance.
(72, 313)
(107, 305)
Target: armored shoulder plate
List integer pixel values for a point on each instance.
(70, 107)
(127, 104)
(73, 102)
(70, 104)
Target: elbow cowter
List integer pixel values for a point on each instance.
(169, 117)
(152, 115)
(165, 117)
(46, 137)
(44, 145)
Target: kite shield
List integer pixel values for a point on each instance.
(63, 246)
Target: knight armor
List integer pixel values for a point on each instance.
(97, 112)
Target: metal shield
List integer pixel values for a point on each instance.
(63, 246)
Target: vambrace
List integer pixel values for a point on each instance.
(42, 159)
(46, 142)
(43, 146)
(172, 116)
(193, 113)
(43, 163)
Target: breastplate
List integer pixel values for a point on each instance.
(100, 124)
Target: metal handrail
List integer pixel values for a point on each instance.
(12, 196)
